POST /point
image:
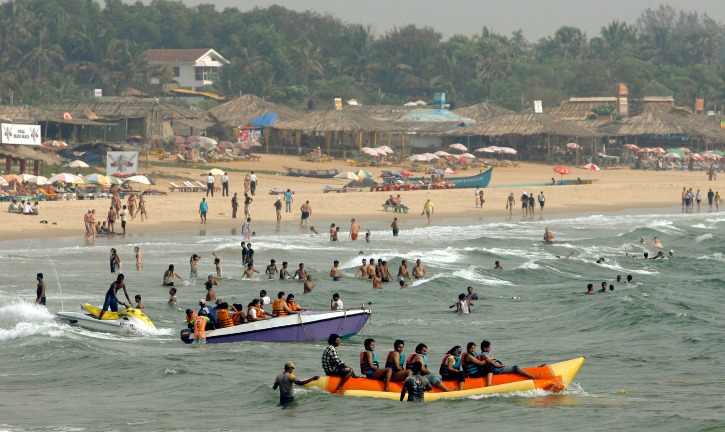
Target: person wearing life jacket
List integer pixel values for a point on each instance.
(238, 316)
(396, 362)
(190, 315)
(420, 355)
(471, 363)
(293, 306)
(225, 320)
(200, 324)
(451, 366)
(254, 312)
(496, 367)
(280, 307)
(369, 365)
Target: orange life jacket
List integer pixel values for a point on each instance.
(200, 327)
(190, 318)
(239, 317)
(260, 312)
(278, 308)
(224, 319)
(294, 307)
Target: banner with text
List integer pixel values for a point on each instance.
(21, 134)
(121, 162)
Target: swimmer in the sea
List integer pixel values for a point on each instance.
(335, 271)
(656, 243)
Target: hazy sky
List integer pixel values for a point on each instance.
(537, 18)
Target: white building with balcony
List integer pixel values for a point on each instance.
(190, 68)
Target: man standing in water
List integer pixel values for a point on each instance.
(428, 209)
(415, 385)
(285, 382)
(548, 236)
(395, 227)
(40, 292)
(354, 230)
(511, 203)
(306, 212)
(112, 298)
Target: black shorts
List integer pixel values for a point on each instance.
(339, 373)
(42, 301)
(284, 400)
(123, 224)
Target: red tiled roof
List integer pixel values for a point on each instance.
(175, 55)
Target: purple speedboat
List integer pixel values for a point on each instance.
(305, 326)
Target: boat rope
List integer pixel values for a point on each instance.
(344, 319)
(299, 319)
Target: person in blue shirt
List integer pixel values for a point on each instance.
(203, 208)
(288, 201)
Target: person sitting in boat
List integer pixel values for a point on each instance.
(332, 364)
(396, 362)
(293, 306)
(280, 308)
(190, 315)
(496, 367)
(238, 316)
(471, 364)
(203, 307)
(420, 355)
(223, 316)
(369, 365)
(255, 312)
(451, 366)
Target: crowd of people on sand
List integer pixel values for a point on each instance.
(24, 208)
(528, 204)
(691, 199)
(135, 207)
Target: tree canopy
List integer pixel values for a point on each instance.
(61, 49)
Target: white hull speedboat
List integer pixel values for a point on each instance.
(112, 322)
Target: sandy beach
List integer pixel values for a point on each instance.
(616, 190)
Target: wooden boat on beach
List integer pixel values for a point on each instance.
(300, 172)
(480, 180)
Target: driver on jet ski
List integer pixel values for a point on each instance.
(111, 299)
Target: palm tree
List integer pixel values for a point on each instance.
(44, 55)
(308, 59)
(619, 40)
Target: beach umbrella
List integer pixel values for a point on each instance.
(696, 156)
(658, 150)
(25, 177)
(135, 139)
(672, 155)
(12, 177)
(139, 179)
(78, 164)
(98, 179)
(713, 152)
(677, 151)
(644, 150)
(156, 139)
(369, 151)
(573, 145)
(711, 156)
(114, 180)
(347, 175)
(225, 145)
(123, 174)
(3, 182)
(65, 178)
(39, 180)
(685, 149)
(468, 156)
(591, 167)
(363, 174)
(441, 153)
(561, 169)
(449, 171)
(458, 146)
(192, 139)
(386, 149)
(406, 173)
(631, 147)
(507, 150)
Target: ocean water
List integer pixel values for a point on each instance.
(654, 348)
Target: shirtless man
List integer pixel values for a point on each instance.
(250, 271)
(354, 229)
(656, 243)
(332, 232)
(271, 269)
(40, 291)
(403, 274)
(371, 268)
(510, 203)
(309, 286)
(335, 271)
(548, 236)
(112, 298)
(111, 218)
(194, 264)
(395, 227)
(217, 265)
(139, 258)
(306, 212)
(363, 269)
(497, 265)
(384, 272)
(139, 302)
(418, 270)
(377, 281)
(524, 205)
(301, 273)
(284, 272)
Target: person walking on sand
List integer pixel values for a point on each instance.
(203, 208)
(428, 209)
(253, 183)
(131, 203)
(278, 209)
(247, 201)
(306, 212)
(225, 185)
(235, 205)
(87, 222)
(142, 209)
(510, 203)
(288, 201)
(210, 185)
(122, 214)
(247, 183)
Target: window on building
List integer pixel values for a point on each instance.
(177, 71)
(203, 73)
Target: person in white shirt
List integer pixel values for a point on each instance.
(336, 303)
(252, 182)
(28, 210)
(225, 185)
(210, 185)
(264, 298)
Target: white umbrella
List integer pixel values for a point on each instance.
(26, 177)
(386, 149)
(672, 155)
(458, 146)
(468, 156)
(3, 182)
(484, 150)
(216, 171)
(139, 179)
(572, 145)
(347, 175)
(78, 164)
(65, 178)
(369, 151)
(441, 153)
(39, 180)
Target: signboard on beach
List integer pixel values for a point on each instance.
(249, 134)
(121, 162)
(538, 107)
(21, 134)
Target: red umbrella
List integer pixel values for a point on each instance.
(590, 166)
(225, 145)
(631, 147)
(155, 139)
(561, 169)
(178, 140)
(405, 173)
(135, 138)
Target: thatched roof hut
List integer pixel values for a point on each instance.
(22, 114)
(580, 108)
(242, 110)
(335, 121)
(22, 152)
(482, 111)
(380, 112)
(525, 124)
(666, 126)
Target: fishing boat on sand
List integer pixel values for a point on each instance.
(554, 377)
(304, 326)
(300, 172)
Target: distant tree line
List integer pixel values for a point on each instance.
(53, 50)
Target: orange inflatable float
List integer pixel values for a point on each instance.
(554, 377)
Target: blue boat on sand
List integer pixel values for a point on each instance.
(305, 326)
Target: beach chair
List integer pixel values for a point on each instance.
(175, 187)
(49, 196)
(190, 186)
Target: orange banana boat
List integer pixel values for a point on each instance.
(554, 377)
